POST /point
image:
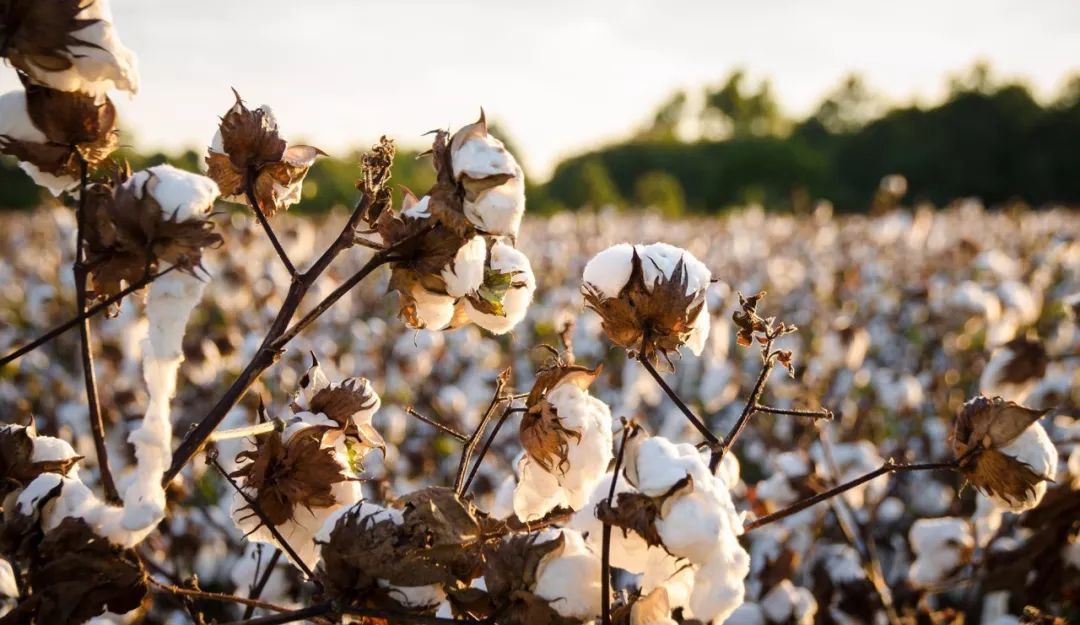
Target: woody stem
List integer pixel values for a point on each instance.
(751, 405)
(487, 445)
(260, 584)
(445, 429)
(605, 545)
(87, 314)
(694, 420)
(474, 438)
(276, 425)
(93, 403)
(888, 467)
(249, 191)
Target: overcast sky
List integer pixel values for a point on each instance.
(560, 75)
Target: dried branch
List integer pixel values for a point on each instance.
(693, 418)
(445, 429)
(605, 545)
(470, 445)
(249, 191)
(487, 445)
(260, 584)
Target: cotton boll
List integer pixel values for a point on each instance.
(50, 449)
(499, 210)
(8, 587)
(98, 60)
(657, 464)
(15, 123)
(1033, 448)
(659, 261)
(537, 493)
(466, 273)
(182, 195)
(662, 570)
(433, 311)
(482, 155)
(941, 546)
(609, 271)
(786, 601)
(699, 332)
(628, 549)
(569, 578)
(694, 523)
(504, 259)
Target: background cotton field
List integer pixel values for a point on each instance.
(735, 363)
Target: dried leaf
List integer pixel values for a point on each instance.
(41, 34)
(17, 468)
(998, 474)
(991, 423)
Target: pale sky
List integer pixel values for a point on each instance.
(561, 76)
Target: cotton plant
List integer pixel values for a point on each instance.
(493, 182)
(453, 271)
(651, 298)
(941, 547)
(566, 434)
(291, 481)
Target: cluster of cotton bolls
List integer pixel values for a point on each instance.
(890, 337)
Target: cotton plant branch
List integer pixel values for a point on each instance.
(256, 207)
(888, 467)
(280, 332)
(605, 544)
(487, 445)
(711, 439)
(445, 429)
(93, 403)
(470, 445)
(89, 313)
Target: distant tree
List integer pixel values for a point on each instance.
(668, 119)
(660, 191)
(736, 110)
(850, 106)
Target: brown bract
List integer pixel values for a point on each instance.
(17, 467)
(426, 244)
(542, 434)
(655, 319)
(77, 575)
(341, 401)
(982, 428)
(438, 542)
(510, 575)
(254, 154)
(76, 125)
(638, 512)
(288, 475)
(39, 34)
(128, 236)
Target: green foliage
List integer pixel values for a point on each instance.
(660, 191)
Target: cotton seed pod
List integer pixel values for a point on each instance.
(248, 151)
(492, 183)
(1014, 369)
(155, 218)
(502, 299)
(650, 299)
(349, 406)
(69, 45)
(544, 437)
(49, 131)
(1004, 452)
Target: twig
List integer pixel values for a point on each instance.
(87, 314)
(474, 438)
(888, 467)
(97, 424)
(404, 617)
(755, 396)
(823, 414)
(258, 587)
(694, 420)
(605, 553)
(213, 596)
(276, 425)
(487, 445)
(249, 191)
(445, 429)
(211, 457)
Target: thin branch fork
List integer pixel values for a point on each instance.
(487, 445)
(693, 418)
(281, 333)
(445, 429)
(470, 445)
(769, 361)
(259, 585)
(93, 403)
(889, 467)
(86, 314)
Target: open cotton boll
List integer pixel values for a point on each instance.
(941, 546)
(609, 271)
(433, 311)
(569, 578)
(466, 273)
(657, 464)
(8, 588)
(662, 570)
(99, 61)
(695, 524)
(15, 123)
(181, 194)
(504, 259)
(482, 155)
(789, 603)
(719, 585)
(51, 449)
(1033, 448)
(537, 492)
(499, 210)
(628, 549)
(659, 261)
